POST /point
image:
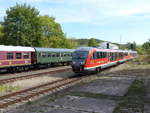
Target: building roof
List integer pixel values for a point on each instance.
(16, 48)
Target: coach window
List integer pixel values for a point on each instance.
(18, 55)
(25, 55)
(58, 54)
(10, 56)
(43, 55)
(49, 54)
(53, 55)
(61, 55)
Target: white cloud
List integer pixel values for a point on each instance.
(91, 11)
(97, 10)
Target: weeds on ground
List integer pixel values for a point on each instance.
(134, 99)
(7, 88)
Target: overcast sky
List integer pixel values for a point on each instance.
(102, 19)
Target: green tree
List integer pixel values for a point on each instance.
(22, 26)
(1, 34)
(92, 42)
(131, 46)
(52, 34)
(146, 45)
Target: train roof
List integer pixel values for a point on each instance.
(16, 48)
(100, 49)
(53, 50)
(97, 49)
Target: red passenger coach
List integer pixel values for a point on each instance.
(89, 58)
(13, 57)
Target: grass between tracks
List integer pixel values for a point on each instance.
(134, 99)
(7, 88)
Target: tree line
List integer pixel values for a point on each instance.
(24, 26)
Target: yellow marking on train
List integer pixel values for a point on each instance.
(15, 60)
(14, 65)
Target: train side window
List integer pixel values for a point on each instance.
(25, 55)
(49, 54)
(43, 55)
(95, 55)
(104, 55)
(65, 54)
(18, 55)
(10, 56)
(58, 54)
(62, 55)
(53, 55)
(98, 55)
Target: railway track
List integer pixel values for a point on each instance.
(13, 79)
(40, 90)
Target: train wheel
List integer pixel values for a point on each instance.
(98, 69)
(26, 68)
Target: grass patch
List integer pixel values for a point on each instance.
(8, 88)
(134, 99)
(137, 89)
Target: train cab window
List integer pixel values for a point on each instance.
(80, 55)
(25, 55)
(10, 56)
(18, 55)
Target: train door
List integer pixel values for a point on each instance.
(33, 58)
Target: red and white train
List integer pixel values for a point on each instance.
(89, 58)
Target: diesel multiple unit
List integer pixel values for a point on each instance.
(89, 58)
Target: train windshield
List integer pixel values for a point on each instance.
(80, 55)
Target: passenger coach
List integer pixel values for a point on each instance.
(13, 57)
(19, 58)
(89, 58)
(52, 56)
